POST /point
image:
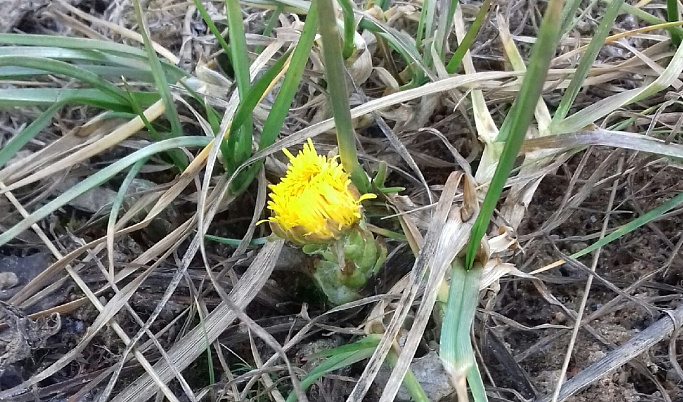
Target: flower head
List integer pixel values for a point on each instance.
(315, 201)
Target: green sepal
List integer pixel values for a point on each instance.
(345, 265)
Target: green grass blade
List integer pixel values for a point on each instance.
(66, 69)
(108, 72)
(403, 44)
(13, 146)
(647, 17)
(338, 95)
(117, 204)
(602, 107)
(270, 24)
(672, 16)
(70, 43)
(140, 113)
(633, 225)
(209, 357)
(212, 116)
(13, 97)
(384, 4)
(587, 60)
(236, 242)
(338, 358)
(427, 27)
(212, 27)
(65, 54)
(240, 63)
(94, 60)
(290, 84)
(99, 178)
(244, 112)
(421, 26)
(179, 159)
(417, 393)
(444, 27)
(568, 13)
(519, 120)
(467, 42)
(455, 344)
(349, 27)
(111, 52)
(346, 355)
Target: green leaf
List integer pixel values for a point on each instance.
(513, 130)
(240, 63)
(27, 134)
(469, 38)
(455, 345)
(633, 225)
(587, 60)
(672, 15)
(349, 27)
(243, 113)
(66, 69)
(179, 158)
(290, 84)
(338, 95)
(99, 178)
(14, 97)
(338, 358)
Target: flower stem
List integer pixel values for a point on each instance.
(338, 94)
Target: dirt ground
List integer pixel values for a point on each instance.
(643, 255)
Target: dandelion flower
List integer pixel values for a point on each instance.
(315, 202)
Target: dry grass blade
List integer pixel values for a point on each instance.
(453, 238)
(115, 137)
(592, 113)
(487, 130)
(168, 55)
(608, 138)
(194, 343)
(422, 264)
(644, 340)
(105, 317)
(477, 80)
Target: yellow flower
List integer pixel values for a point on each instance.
(315, 201)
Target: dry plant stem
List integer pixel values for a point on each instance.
(119, 134)
(416, 278)
(267, 381)
(91, 296)
(589, 282)
(428, 260)
(183, 353)
(253, 326)
(621, 355)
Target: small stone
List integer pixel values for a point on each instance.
(8, 280)
(429, 373)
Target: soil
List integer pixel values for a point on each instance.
(622, 263)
